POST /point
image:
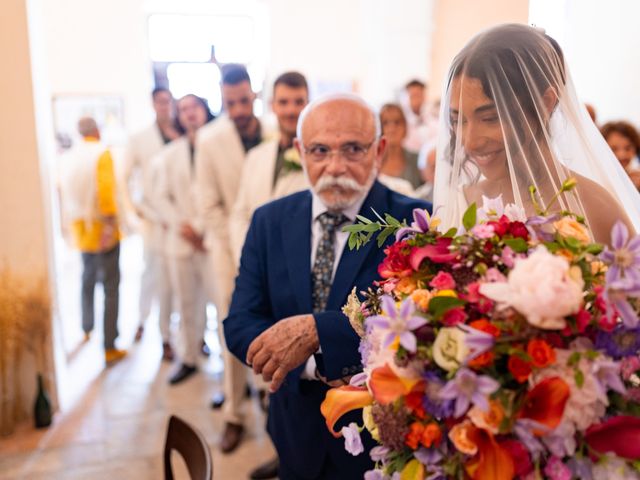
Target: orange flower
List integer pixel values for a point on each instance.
(406, 285)
(421, 298)
(492, 461)
(545, 402)
(519, 368)
(461, 436)
(485, 325)
(486, 358)
(387, 387)
(412, 439)
(489, 421)
(431, 435)
(541, 353)
(342, 400)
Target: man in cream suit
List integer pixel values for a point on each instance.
(220, 156)
(272, 170)
(190, 271)
(139, 180)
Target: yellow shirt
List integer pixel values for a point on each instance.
(101, 234)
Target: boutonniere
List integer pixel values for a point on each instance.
(292, 160)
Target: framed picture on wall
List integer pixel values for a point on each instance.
(107, 110)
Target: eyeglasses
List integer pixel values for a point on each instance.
(352, 152)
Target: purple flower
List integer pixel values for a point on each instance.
(622, 342)
(541, 228)
(375, 475)
(352, 440)
(624, 259)
(607, 375)
(617, 294)
(523, 429)
(400, 322)
(420, 224)
(433, 404)
(477, 341)
(581, 468)
(379, 454)
(358, 379)
(468, 388)
(556, 470)
(428, 456)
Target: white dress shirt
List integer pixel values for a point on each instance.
(317, 209)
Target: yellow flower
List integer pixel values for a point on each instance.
(446, 293)
(459, 436)
(292, 155)
(569, 228)
(369, 424)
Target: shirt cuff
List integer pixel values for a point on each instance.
(309, 372)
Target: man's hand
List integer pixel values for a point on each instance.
(194, 238)
(283, 347)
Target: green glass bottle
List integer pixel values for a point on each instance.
(42, 408)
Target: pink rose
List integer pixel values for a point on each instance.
(443, 281)
(454, 317)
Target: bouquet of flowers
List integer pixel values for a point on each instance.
(509, 349)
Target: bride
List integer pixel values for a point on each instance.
(512, 121)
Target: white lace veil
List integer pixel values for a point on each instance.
(511, 119)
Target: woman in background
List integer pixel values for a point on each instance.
(624, 140)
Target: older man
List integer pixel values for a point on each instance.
(295, 275)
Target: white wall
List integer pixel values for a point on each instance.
(374, 46)
(602, 48)
(456, 21)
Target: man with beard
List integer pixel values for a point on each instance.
(295, 275)
(220, 156)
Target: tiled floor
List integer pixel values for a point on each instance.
(113, 421)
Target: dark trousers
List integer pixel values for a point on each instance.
(105, 268)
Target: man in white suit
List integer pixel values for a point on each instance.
(190, 270)
(139, 179)
(220, 156)
(272, 170)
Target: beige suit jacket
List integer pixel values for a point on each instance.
(257, 188)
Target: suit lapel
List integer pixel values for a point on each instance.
(296, 239)
(351, 261)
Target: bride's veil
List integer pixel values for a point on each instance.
(510, 120)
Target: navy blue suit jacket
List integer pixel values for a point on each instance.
(274, 282)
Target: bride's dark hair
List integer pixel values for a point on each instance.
(519, 64)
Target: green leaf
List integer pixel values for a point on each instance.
(470, 216)
(371, 227)
(579, 378)
(451, 233)
(574, 358)
(518, 245)
(384, 234)
(438, 306)
(353, 240)
(391, 220)
(363, 219)
(594, 249)
(355, 227)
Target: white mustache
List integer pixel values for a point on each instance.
(328, 181)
